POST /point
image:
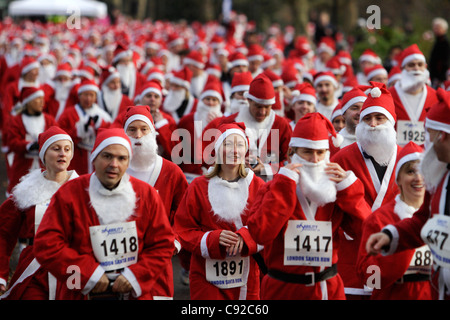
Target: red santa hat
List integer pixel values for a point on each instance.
(327, 44)
(438, 116)
(304, 92)
(30, 93)
(213, 88)
(120, 52)
(241, 81)
(261, 90)
(195, 58)
(411, 53)
(379, 99)
(375, 71)
(182, 77)
(48, 137)
(335, 66)
(313, 131)
(336, 112)
(156, 74)
(227, 129)
(345, 57)
(237, 59)
(410, 152)
(255, 52)
(106, 137)
(351, 97)
(142, 113)
(325, 76)
(28, 64)
(276, 79)
(394, 74)
(151, 86)
(290, 76)
(108, 73)
(214, 70)
(64, 69)
(370, 56)
(88, 85)
(268, 61)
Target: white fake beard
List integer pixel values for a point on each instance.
(314, 183)
(112, 206)
(112, 98)
(46, 73)
(62, 90)
(197, 84)
(237, 104)
(228, 199)
(379, 142)
(144, 155)
(126, 73)
(174, 99)
(411, 81)
(431, 168)
(202, 112)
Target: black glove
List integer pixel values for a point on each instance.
(34, 147)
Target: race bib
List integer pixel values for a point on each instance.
(115, 245)
(308, 243)
(436, 233)
(421, 261)
(408, 131)
(39, 211)
(229, 273)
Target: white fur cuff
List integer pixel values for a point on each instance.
(290, 174)
(347, 182)
(394, 242)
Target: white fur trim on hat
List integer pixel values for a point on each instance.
(87, 87)
(352, 102)
(113, 75)
(39, 93)
(325, 78)
(378, 109)
(138, 117)
(150, 89)
(377, 72)
(107, 142)
(436, 125)
(211, 93)
(410, 157)
(258, 100)
(238, 62)
(227, 133)
(310, 144)
(31, 66)
(50, 141)
(304, 97)
(180, 82)
(413, 57)
(241, 87)
(123, 54)
(196, 63)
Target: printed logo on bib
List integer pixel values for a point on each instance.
(408, 131)
(115, 245)
(436, 233)
(229, 273)
(308, 243)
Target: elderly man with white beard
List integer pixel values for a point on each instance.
(430, 223)
(372, 158)
(412, 96)
(297, 216)
(165, 176)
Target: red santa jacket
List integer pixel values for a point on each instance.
(199, 230)
(66, 226)
(392, 267)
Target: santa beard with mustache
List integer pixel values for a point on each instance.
(174, 99)
(205, 113)
(380, 142)
(112, 100)
(145, 151)
(411, 81)
(314, 183)
(237, 104)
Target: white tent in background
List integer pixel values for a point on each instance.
(86, 8)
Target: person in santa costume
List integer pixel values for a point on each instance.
(303, 102)
(211, 223)
(372, 158)
(58, 90)
(377, 73)
(412, 96)
(429, 225)
(368, 59)
(269, 134)
(165, 176)
(296, 217)
(110, 97)
(239, 85)
(115, 238)
(191, 126)
(237, 62)
(22, 212)
(351, 105)
(131, 79)
(179, 101)
(325, 84)
(337, 119)
(23, 132)
(82, 122)
(406, 275)
(326, 49)
(195, 61)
